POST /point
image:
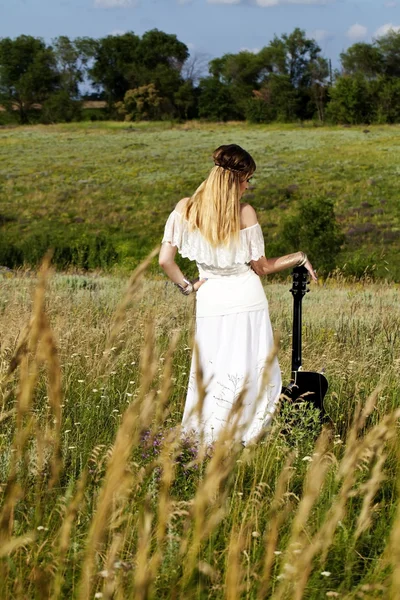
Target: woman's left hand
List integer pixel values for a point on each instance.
(198, 284)
(310, 269)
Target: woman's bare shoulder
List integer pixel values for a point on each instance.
(248, 216)
(180, 207)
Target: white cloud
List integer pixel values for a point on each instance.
(384, 29)
(252, 50)
(277, 2)
(118, 32)
(270, 3)
(114, 3)
(320, 35)
(391, 4)
(224, 1)
(357, 32)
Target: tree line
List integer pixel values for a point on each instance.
(154, 77)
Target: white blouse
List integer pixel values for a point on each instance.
(221, 260)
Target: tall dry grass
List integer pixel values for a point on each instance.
(101, 497)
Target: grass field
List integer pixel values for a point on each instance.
(100, 193)
(100, 499)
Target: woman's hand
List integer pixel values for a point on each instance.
(197, 285)
(310, 269)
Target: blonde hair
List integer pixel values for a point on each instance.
(214, 208)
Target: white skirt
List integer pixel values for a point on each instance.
(233, 350)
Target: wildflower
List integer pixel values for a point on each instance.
(71, 447)
(81, 381)
(255, 534)
(115, 410)
(131, 382)
(98, 595)
(307, 458)
(40, 528)
(104, 573)
(277, 552)
(326, 573)
(289, 568)
(77, 423)
(67, 431)
(128, 394)
(95, 390)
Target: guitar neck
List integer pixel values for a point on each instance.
(296, 337)
(299, 289)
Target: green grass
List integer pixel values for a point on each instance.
(353, 331)
(100, 192)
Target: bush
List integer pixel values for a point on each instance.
(313, 229)
(84, 251)
(61, 108)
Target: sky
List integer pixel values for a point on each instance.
(207, 27)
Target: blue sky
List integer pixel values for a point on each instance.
(213, 27)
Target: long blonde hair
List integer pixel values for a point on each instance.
(214, 208)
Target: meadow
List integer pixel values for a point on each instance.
(100, 495)
(99, 193)
(101, 498)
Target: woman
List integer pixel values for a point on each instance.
(233, 331)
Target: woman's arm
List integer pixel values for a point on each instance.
(167, 262)
(268, 266)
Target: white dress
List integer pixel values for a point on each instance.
(233, 332)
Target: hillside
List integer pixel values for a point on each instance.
(99, 193)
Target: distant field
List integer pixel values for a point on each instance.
(100, 192)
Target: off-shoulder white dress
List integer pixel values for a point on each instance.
(233, 331)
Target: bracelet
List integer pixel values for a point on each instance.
(188, 289)
(302, 260)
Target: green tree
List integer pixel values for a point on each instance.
(362, 58)
(215, 101)
(353, 100)
(275, 101)
(126, 62)
(113, 69)
(185, 100)
(60, 107)
(72, 59)
(28, 73)
(389, 47)
(388, 101)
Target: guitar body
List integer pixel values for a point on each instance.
(308, 386)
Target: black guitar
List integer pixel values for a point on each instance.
(305, 385)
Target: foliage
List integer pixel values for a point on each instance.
(61, 108)
(142, 103)
(126, 62)
(28, 73)
(314, 229)
(288, 80)
(352, 100)
(215, 101)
